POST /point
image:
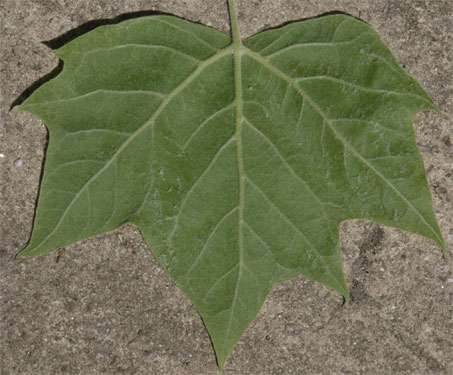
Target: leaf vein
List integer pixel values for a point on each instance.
(374, 123)
(357, 86)
(68, 163)
(136, 45)
(88, 94)
(115, 198)
(193, 35)
(195, 184)
(284, 161)
(209, 118)
(212, 233)
(287, 220)
(313, 45)
(265, 244)
(218, 281)
(116, 132)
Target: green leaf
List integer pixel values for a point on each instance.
(236, 160)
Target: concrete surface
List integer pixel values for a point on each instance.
(107, 308)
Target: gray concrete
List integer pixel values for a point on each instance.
(107, 308)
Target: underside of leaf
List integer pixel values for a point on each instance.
(236, 160)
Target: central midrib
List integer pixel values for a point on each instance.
(237, 48)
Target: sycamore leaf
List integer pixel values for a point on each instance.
(236, 160)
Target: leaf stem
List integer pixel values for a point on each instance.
(234, 23)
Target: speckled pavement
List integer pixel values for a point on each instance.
(106, 307)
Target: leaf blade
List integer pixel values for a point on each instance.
(249, 155)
